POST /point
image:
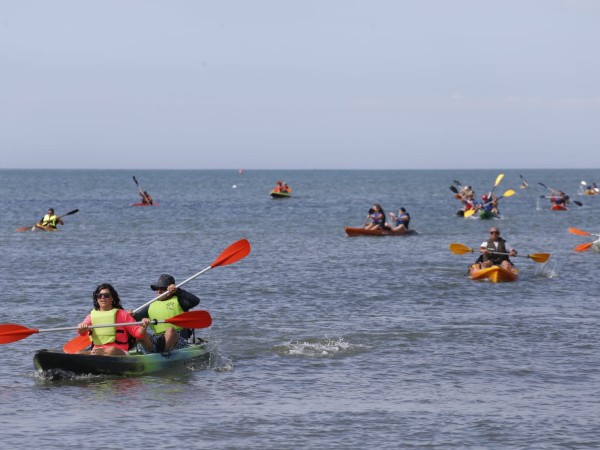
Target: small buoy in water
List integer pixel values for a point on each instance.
(234, 186)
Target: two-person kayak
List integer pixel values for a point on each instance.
(135, 364)
(357, 231)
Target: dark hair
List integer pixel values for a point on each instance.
(113, 294)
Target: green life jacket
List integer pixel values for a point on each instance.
(104, 335)
(162, 310)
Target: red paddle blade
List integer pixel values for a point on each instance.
(583, 247)
(192, 319)
(578, 231)
(77, 344)
(233, 253)
(11, 332)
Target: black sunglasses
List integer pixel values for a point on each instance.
(494, 232)
(103, 295)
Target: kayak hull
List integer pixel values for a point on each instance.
(556, 207)
(275, 194)
(144, 204)
(485, 215)
(352, 232)
(43, 228)
(495, 274)
(135, 364)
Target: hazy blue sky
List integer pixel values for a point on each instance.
(300, 84)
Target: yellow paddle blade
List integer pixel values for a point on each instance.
(498, 179)
(539, 257)
(469, 213)
(578, 231)
(583, 247)
(509, 193)
(460, 249)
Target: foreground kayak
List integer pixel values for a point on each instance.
(495, 274)
(133, 365)
(352, 232)
(279, 194)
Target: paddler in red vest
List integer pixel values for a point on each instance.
(146, 199)
(110, 341)
(167, 337)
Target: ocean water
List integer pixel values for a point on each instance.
(318, 340)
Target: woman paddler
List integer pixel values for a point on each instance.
(110, 341)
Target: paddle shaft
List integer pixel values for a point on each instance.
(166, 293)
(126, 324)
(141, 191)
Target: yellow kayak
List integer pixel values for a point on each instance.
(495, 274)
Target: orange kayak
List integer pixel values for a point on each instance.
(495, 274)
(352, 232)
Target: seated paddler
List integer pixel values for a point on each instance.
(175, 301)
(110, 340)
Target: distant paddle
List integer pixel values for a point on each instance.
(193, 319)
(60, 217)
(461, 249)
(498, 180)
(142, 192)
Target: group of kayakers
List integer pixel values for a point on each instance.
(488, 202)
(118, 340)
(376, 219)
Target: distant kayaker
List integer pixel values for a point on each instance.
(167, 337)
(495, 251)
(559, 198)
(376, 218)
(110, 341)
(146, 198)
(50, 220)
(401, 221)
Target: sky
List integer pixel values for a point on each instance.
(299, 84)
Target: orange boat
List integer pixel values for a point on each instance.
(558, 207)
(495, 274)
(352, 232)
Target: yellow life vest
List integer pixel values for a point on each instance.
(162, 310)
(50, 220)
(104, 335)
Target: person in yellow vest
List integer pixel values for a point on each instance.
(50, 220)
(110, 341)
(166, 337)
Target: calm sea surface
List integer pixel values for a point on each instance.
(318, 340)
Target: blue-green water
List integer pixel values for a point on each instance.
(318, 340)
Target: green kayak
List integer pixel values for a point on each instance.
(133, 365)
